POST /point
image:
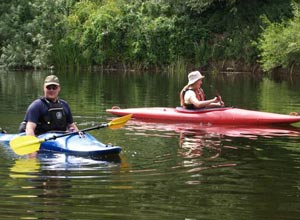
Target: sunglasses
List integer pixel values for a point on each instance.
(52, 87)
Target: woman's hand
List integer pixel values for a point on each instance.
(215, 100)
(220, 101)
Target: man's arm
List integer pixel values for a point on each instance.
(73, 127)
(30, 127)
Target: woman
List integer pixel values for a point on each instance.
(192, 96)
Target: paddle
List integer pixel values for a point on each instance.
(219, 98)
(28, 144)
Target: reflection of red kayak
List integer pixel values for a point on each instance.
(228, 115)
(141, 127)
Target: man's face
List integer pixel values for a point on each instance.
(51, 92)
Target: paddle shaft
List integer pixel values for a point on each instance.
(77, 132)
(114, 123)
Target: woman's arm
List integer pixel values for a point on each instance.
(203, 104)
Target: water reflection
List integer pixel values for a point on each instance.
(195, 145)
(251, 132)
(166, 171)
(25, 168)
(35, 167)
(201, 146)
(45, 182)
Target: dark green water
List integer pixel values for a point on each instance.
(165, 171)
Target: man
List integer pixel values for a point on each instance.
(48, 113)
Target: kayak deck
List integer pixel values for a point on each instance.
(71, 144)
(228, 115)
(74, 144)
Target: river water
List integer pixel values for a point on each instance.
(165, 171)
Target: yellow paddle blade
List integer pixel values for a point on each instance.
(25, 144)
(119, 122)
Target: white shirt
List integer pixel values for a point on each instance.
(188, 94)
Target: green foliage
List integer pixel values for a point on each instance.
(152, 43)
(30, 29)
(134, 33)
(200, 6)
(140, 34)
(88, 33)
(279, 43)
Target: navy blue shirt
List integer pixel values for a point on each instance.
(38, 109)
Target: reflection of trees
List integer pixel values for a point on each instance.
(15, 83)
(270, 90)
(201, 146)
(201, 151)
(18, 90)
(193, 145)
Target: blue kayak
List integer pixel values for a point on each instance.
(71, 144)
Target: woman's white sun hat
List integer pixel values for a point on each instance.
(194, 77)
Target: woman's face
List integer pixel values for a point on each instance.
(198, 83)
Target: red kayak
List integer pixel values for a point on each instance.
(225, 116)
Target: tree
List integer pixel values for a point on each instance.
(279, 43)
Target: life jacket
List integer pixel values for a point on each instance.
(200, 95)
(54, 120)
